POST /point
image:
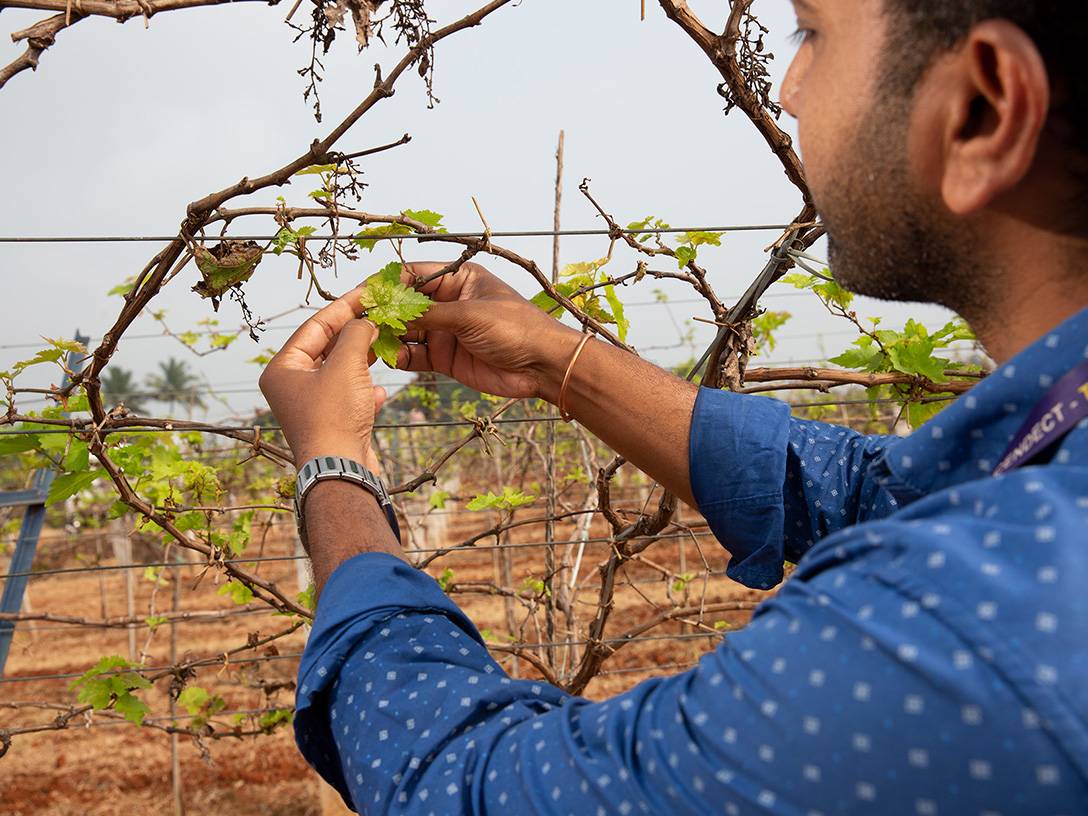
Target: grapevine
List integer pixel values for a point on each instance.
(208, 497)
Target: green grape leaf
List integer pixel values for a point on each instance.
(132, 707)
(535, 585)
(264, 358)
(18, 443)
(799, 280)
(584, 271)
(866, 356)
(917, 358)
(155, 621)
(71, 483)
(287, 237)
(193, 699)
(50, 355)
(388, 302)
(78, 458)
(317, 170)
(545, 302)
(696, 239)
(685, 255)
(71, 346)
(681, 582)
(387, 346)
(221, 341)
(832, 292)
(438, 499)
(239, 592)
(445, 580)
(105, 684)
(122, 289)
(368, 239)
(428, 217)
(271, 719)
(764, 327)
(919, 413)
(549, 304)
(105, 664)
(390, 305)
(622, 323)
(307, 598)
(509, 499)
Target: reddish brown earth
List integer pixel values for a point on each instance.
(99, 766)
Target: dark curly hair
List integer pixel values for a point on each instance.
(924, 28)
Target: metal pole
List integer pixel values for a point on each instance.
(27, 544)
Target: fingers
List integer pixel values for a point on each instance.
(448, 317)
(312, 339)
(413, 357)
(380, 397)
(352, 346)
(447, 288)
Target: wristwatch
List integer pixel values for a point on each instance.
(337, 467)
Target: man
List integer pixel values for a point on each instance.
(926, 657)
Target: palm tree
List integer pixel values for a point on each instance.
(119, 385)
(175, 383)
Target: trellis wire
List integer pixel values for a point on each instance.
(278, 327)
(454, 549)
(409, 425)
(122, 239)
(214, 661)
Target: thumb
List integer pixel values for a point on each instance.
(352, 346)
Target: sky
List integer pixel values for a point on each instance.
(121, 127)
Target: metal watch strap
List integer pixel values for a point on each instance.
(324, 468)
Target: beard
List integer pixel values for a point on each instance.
(888, 240)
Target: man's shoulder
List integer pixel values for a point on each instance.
(1001, 563)
(1028, 516)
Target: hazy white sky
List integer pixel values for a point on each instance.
(120, 128)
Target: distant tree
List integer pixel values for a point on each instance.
(119, 385)
(175, 383)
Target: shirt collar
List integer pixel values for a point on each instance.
(966, 440)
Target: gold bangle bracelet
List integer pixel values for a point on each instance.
(563, 412)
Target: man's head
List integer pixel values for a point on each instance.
(927, 125)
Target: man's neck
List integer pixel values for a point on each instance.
(1039, 283)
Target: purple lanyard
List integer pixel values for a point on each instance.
(1062, 409)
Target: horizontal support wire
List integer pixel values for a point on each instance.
(220, 616)
(275, 327)
(272, 558)
(100, 536)
(228, 615)
(527, 646)
(410, 425)
(124, 239)
(214, 661)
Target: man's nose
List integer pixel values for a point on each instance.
(791, 85)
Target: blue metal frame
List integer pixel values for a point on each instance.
(27, 544)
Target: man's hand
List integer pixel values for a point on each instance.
(485, 335)
(319, 388)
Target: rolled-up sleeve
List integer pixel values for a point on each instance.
(770, 486)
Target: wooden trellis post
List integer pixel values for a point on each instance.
(33, 499)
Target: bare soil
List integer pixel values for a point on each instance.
(99, 766)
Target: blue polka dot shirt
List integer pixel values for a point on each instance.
(926, 658)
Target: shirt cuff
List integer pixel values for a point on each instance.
(362, 594)
(737, 465)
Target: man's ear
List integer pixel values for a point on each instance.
(989, 100)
